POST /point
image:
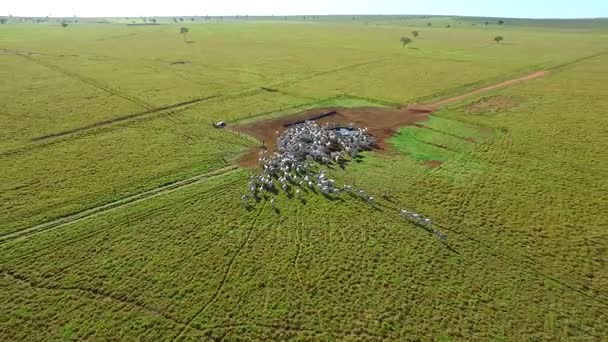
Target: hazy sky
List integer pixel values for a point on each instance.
(120, 8)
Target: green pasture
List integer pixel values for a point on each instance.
(93, 113)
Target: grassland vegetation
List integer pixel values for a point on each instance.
(516, 178)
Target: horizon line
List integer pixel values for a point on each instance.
(310, 15)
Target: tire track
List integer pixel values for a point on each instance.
(258, 325)
(165, 189)
(443, 132)
(344, 335)
(511, 259)
(92, 292)
(225, 277)
(95, 293)
(42, 251)
(576, 61)
(299, 225)
(433, 144)
(90, 81)
(122, 118)
(326, 72)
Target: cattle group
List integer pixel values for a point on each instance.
(301, 150)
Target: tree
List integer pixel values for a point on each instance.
(64, 24)
(500, 22)
(3, 21)
(415, 34)
(184, 31)
(406, 40)
(448, 26)
(498, 39)
(429, 24)
(153, 20)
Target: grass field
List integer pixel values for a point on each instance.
(95, 113)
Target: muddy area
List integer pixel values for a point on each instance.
(381, 122)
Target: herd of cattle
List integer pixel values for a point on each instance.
(294, 166)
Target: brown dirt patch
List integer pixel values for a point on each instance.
(491, 104)
(381, 123)
(433, 164)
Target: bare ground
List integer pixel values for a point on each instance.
(382, 122)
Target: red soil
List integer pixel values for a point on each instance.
(381, 122)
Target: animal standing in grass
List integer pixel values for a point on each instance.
(406, 41)
(184, 31)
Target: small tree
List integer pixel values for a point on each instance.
(406, 40)
(3, 21)
(153, 20)
(64, 24)
(500, 22)
(498, 39)
(415, 34)
(184, 31)
(429, 24)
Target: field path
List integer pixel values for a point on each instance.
(445, 102)
(165, 189)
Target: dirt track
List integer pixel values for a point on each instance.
(445, 102)
(165, 189)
